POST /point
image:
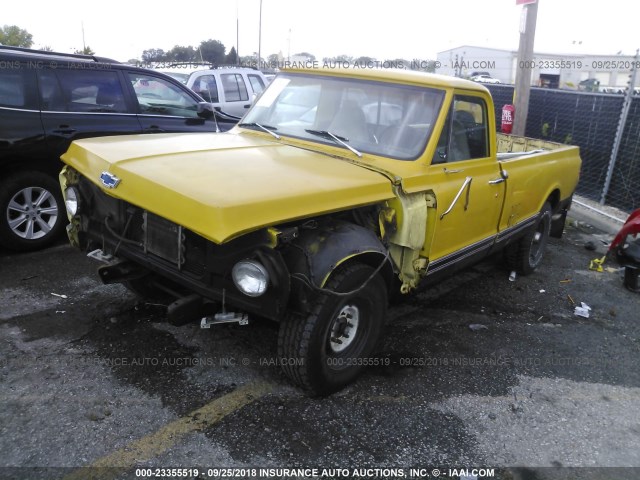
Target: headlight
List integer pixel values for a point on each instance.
(250, 277)
(71, 200)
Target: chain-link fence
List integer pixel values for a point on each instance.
(590, 121)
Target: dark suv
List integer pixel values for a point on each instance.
(47, 100)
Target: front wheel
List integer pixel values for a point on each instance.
(32, 212)
(526, 254)
(326, 349)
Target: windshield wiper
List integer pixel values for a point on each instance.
(267, 128)
(339, 140)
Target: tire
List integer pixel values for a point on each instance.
(317, 352)
(526, 254)
(32, 212)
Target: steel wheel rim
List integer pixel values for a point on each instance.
(538, 243)
(344, 328)
(32, 213)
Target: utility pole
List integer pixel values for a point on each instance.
(260, 38)
(525, 54)
(84, 45)
(237, 36)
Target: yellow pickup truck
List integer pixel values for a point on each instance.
(338, 190)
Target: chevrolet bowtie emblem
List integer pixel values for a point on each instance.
(109, 180)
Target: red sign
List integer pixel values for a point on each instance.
(525, 2)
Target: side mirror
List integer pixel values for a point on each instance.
(205, 110)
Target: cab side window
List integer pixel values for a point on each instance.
(50, 92)
(465, 134)
(207, 87)
(234, 88)
(158, 96)
(91, 91)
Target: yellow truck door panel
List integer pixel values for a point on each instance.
(467, 184)
(468, 206)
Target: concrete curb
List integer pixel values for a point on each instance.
(606, 223)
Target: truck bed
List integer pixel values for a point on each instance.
(514, 146)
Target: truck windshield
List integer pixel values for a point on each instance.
(380, 118)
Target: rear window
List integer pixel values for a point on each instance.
(14, 88)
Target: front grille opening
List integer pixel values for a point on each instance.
(163, 238)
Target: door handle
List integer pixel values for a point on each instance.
(465, 186)
(65, 130)
(446, 170)
(154, 129)
(247, 106)
(503, 176)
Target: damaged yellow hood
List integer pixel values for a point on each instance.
(221, 185)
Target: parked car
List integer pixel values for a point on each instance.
(485, 78)
(49, 99)
(386, 180)
(230, 89)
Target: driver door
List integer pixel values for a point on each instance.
(469, 190)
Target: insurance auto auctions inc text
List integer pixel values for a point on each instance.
(382, 473)
(315, 64)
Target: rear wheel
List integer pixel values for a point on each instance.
(326, 349)
(32, 213)
(526, 254)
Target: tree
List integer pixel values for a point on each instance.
(423, 65)
(212, 51)
(14, 36)
(365, 61)
(153, 55)
(86, 51)
(46, 48)
(309, 56)
(397, 63)
(232, 57)
(249, 60)
(343, 59)
(181, 54)
(274, 60)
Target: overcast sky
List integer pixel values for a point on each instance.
(381, 29)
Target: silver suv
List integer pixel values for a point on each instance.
(230, 89)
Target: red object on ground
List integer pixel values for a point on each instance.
(630, 227)
(508, 114)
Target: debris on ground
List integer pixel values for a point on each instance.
(512, 276)
(58, 295)
(596, 264)
(478, 326)
(583, 310)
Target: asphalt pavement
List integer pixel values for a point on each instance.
(478, 372)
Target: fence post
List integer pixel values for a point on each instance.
(619, 132)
